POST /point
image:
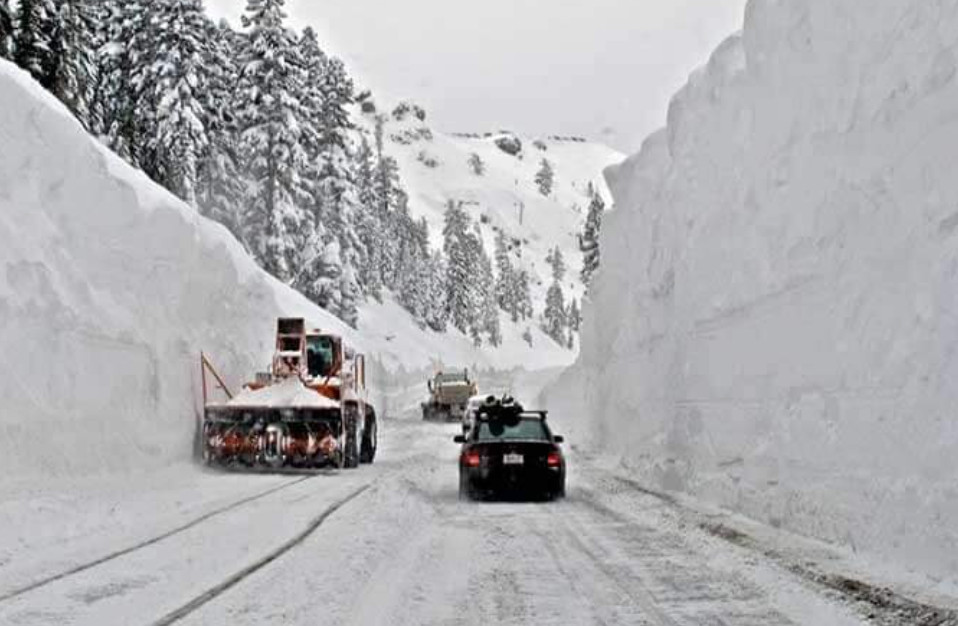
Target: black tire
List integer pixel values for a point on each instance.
(351, 453)
(426, 413)
(367, 451)
(466, 494)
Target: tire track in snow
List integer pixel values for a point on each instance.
(43, 582)
(211, 594)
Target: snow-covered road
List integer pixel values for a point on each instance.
(388, 544)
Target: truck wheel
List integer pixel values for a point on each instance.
(351, 453)
(367, 451)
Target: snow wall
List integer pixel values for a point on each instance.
(109, 289)
(775, 326)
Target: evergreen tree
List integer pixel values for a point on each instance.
(575, 316)
(457, 248)
(271, 117)
(220, 188)
(523, 295)
(554, 317)
(489, 309)
(436, 312)
(545, 178)
(6, 30)
(322, 277)
(589, 240)
(388, 196)
(369, 224)
(557, 263)
(477, 165)
(71, 69)
(36, 26)
(527, 336)
(350, 298)
(176, 82)
(508, 297)
(127, 124)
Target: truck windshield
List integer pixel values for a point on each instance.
(320, 356)
(526, 429)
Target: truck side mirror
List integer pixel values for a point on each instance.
(459, 439)
(429, 384)
(558, 439)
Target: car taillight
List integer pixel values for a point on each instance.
(471, 459)
(554, 459)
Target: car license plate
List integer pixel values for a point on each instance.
(513, 459)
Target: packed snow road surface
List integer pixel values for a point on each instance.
(387, 544)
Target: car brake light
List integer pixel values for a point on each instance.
(554, 459)
(471, 459)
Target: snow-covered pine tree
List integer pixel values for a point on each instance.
(71, 70)
(220, 188)
(271, 118)
(527, 336)
(574, 320)
(575, 316)
(322, 277)
(36, 22)
(176, 82)
(126, 29)
(436, 311)
(457, 247)
(350, 298)
(389, 195)
(545, 178)
(523, 295)
(477, 165)
(589, 241)
(412, 259)
(556, 263)
(489, 309)
(554, 319)
(6, 30)
(554, 316)
(507, 296)
(336, 182)
(369, 223)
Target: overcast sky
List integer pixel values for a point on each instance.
(600, 68)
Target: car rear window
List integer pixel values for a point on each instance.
(526, 429)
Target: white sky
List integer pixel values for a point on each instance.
(600, 68)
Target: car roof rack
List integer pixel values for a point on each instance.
(486, 416)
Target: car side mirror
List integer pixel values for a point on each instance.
(459, 439)
(558, 439)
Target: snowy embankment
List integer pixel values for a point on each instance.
(109, 289)
(775, 326)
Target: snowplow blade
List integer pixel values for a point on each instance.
(272, 438)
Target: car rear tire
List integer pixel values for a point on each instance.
(466, 494)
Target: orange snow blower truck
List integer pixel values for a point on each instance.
(309, 410)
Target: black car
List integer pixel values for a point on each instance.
(516, 455)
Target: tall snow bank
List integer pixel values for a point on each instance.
(109, 288)
(775, 326)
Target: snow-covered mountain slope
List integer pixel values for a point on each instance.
(775, 324)
(435, 168)
(110, 287)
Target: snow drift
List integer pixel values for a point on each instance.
(109, 288)
(775, 325)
